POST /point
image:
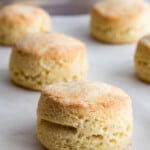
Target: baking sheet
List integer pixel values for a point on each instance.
(108, 63)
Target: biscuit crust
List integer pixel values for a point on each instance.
(16, 20)
(121, 11)
(45, 58)
(121, 24)
(84, 115)
(53, 45)
(142, 60)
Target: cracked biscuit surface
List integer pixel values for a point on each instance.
(40, 59)
(117, 21)
(16, 20)
(84, 115)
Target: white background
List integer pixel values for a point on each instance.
(108, 63)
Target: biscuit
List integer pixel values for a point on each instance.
(84, 115)
(16, 20)
(142, 59)
(120, 21)
(40, 59)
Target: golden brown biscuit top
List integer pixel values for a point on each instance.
(86, 94)
(121, 10)
(21, 14)
(48, 44)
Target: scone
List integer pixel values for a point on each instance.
(45, 58)
(84, 115)
(142, 59)
(120, 21)
(16, 20)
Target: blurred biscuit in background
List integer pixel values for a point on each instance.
(40, 59)
(16, 20)
(120, 21)
(142, 59)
